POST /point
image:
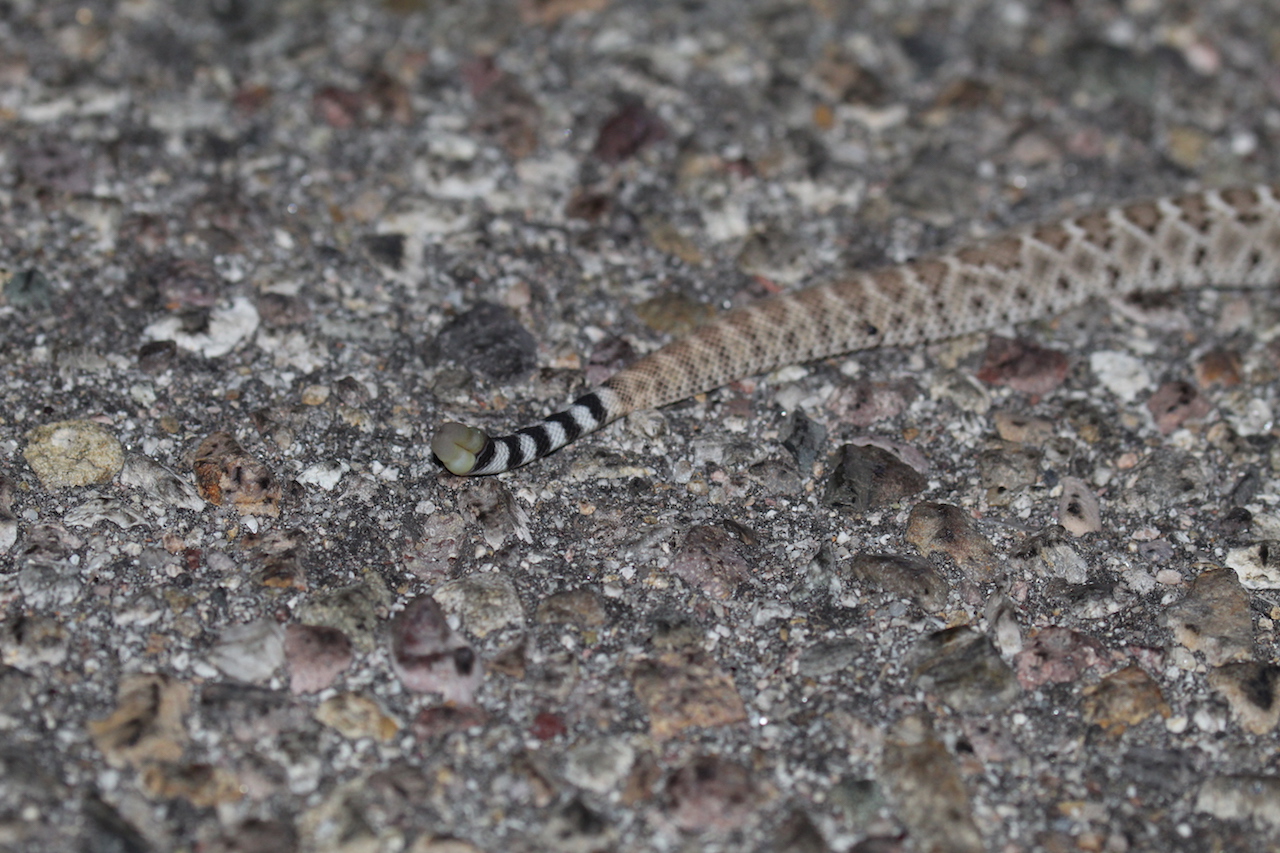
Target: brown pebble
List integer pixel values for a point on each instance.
(631, 128)
(316, 655)
(865, 477)
(1059, 655)
(580, 606)
(1175, 403)
(1023, 429)
(441, 720)
(686, 688)
(962, 668)
(226, 474)
(712, 558)
(1219, 367)
(712, 794)
(430, 657)
(1252, 689)
(936, 527)
(1023, 366)
(926, 789)
(904, 576)
(202, 785)
(147, 723)
(1122, 700)
(1007, 471)
(1214, 618)
(864, 402)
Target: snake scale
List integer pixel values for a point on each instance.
(1227, 237)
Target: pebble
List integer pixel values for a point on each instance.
(281, 310)
(945, 528)
(798, 834)
(1059, 655)
(430, 657)
(1221, 367)
(432, 844)
(582, 606)
(1007, 472)
(316, 656)
(1175, 403)
(962, 668)
(357, 610)
(202, 785)
(1002, 624)
(1120, 373)
(1078, 509)
(18, 692)
(440, 720)
(256, 836)
(486, 603)
(430, 549)
(803, 438)
(356, 716)
(713, 558)
(161, 484)
(675, 630)
(712, 794)
(147, 723)
(682, 689)
(280, 555)
(857, 800)
(28, 640)
(926, 789)
(225, 473)
(486, 502)
(47, 585)
(631, 128)
(1167, 478)
(577, 828)
(778, 475)
(487, 340)
(1050, 554)
(107, 831)
(1214, 618)
(599, 765)
(962, 390)
(252, 713)
(1122, 700)
(1023, 366)
(825, 658)
(251, 651)
(864, 402)
(908, 577)
(8, 520)
(68, 454)
(1021, 428)
(1252, 797)
(155, 357)
(98, 509)
(1252, 690)
(865, 477)
(227, 328)
(28, 288)
(1256, 564)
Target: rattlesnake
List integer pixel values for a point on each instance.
(1225, 237)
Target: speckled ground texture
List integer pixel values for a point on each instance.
(253, 251)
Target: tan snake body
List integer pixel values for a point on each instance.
(1225, 237)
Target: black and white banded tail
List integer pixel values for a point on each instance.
(466, 450)
(1227, 237)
